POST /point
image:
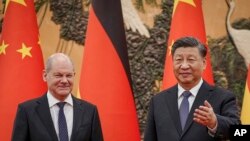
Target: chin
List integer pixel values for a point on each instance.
(64, 92)
(185, 81)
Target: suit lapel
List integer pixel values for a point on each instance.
(77, 117)
(203, 94)
(171, 99)
(45, 116)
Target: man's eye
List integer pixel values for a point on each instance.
(58, 76)
(191, 59)
(69, 76)
(178, 59)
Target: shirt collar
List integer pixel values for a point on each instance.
(52, 100)
(194, 90)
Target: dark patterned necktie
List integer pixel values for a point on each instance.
(184, 108)
(62, 125)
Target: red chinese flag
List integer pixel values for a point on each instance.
(105, 78)
(21, 62)
(187, 20)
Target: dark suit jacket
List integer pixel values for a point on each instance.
(164, 123)
(34, 123)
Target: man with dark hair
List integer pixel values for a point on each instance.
(192, 110)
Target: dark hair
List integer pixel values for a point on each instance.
(189, 42)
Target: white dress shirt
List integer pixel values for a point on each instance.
(193, 91)
(68, 111)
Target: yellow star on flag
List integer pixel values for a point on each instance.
(3, 46)
(170, 48)
(25, 51)
(22, 2)
(176, 2)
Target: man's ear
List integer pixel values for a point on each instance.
(204, 63)
(44, 76)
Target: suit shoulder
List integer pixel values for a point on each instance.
(29, 103)
(84, 103)
(218, 91)
(165, 92)
(223, 92)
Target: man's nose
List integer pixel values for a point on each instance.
(64, 79)
(184, 64)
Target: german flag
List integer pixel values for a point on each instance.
(245, 111)
(187, 20)
(105, 76)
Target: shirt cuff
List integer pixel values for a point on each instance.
(212, 131)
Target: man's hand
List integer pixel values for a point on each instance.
(205, 115)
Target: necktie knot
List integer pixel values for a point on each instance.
(61, 104)
(186, 94)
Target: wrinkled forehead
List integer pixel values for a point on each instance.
(187, 51)
(62, 65)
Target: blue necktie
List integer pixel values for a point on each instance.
(184, 108)
(62, 125)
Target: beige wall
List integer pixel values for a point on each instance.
(214, 13)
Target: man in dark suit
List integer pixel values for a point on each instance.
(57, 115)
(192, 110)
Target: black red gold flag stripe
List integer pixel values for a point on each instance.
(105, 77)
(245, 114)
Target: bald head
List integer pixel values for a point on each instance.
(57, 57)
